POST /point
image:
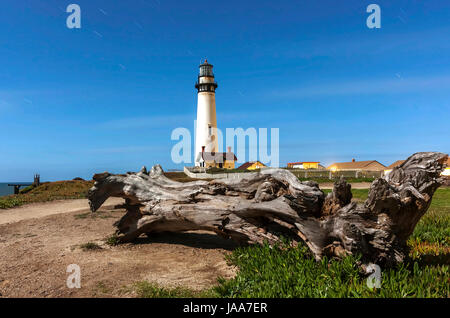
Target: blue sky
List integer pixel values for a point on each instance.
(106, 97)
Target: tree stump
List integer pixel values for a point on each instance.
(274, 203)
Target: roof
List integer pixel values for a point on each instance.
(354, 164)
(205, 63)
(395, 164)
(218, 156)
(299, 163)
(249, 164)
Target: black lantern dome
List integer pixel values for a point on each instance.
(206, 82)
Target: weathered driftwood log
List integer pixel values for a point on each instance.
(274, 202)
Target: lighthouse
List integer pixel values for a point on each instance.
(206, 131)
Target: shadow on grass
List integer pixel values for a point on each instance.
(430, 259)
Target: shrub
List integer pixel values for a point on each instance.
(11, 201)
(112, 240)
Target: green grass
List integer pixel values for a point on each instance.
(359, 195)
(89, 246)
(181, 176)
(48, 191)
(283, 271)
(112, 240)
(214, 170)
(434, 226)
(27, 189)
(327, 180)
(145, 289)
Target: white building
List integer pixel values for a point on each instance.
(206, 130)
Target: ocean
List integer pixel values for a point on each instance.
(5, 190)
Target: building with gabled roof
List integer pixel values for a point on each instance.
(369, 165)
(252, 165)
(393, 165)
(446, 171)
(225, 160)
(304, 165)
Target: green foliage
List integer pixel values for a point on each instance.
(179, 176)
(90, 246)
(27, 189)
(48, 191)
(360, 194)
(145, 289)
(112, 240)
(215, 170)
(284, 271)
(434, 226)
(9, 201)
(103, 288)
(328, 180)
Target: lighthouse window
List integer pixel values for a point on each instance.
(209, 130)
(206, 71)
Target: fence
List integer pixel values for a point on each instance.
(200, 173)
(328, 174)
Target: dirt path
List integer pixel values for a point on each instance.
(35, 253)
(38, 242)
(38, 210)
(358, 185)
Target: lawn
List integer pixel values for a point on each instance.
(327, 180)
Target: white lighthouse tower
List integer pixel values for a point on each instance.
(206, 130)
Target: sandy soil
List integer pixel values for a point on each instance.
(38, 210)
(39, 241)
